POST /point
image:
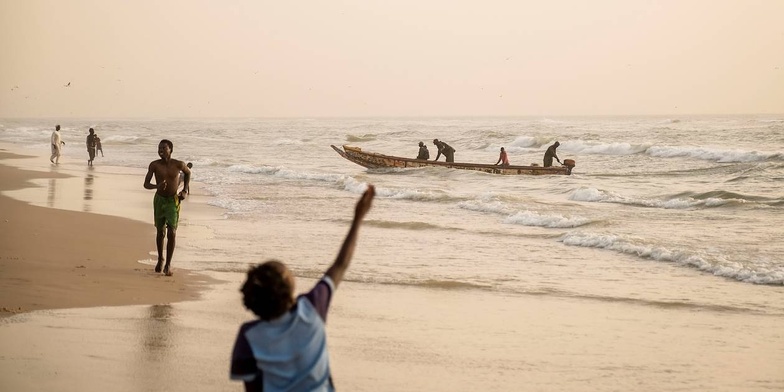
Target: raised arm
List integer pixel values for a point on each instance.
(342, 261)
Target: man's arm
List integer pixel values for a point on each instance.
(147, 180)
(342, 261)
(187, 179)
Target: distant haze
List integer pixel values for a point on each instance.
(347, 58)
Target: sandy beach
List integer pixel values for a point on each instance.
(82, 313)
(53, 259)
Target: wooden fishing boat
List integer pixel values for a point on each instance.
(374, 161)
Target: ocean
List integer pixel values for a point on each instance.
(659, 211)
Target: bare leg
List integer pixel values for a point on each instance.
(172, 240)
(159, 245)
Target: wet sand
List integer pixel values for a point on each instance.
(392, 338)
(52, 258)
(381, 337)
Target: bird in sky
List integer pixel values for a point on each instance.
(69, 83)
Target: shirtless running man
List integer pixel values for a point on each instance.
(166, 203)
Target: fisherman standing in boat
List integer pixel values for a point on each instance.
(423, 152)
(550, 154)
(447, 150)
(503, 159)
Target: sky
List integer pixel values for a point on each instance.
(389, 58)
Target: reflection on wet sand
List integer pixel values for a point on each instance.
(157, 331)
(88, 193)
(157, 334)
(51, 193)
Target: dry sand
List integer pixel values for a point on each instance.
(51, 258)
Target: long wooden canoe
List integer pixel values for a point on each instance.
(375, 161)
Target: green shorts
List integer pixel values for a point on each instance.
(166, 210)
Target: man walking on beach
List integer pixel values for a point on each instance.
(57, 143)
(91, 146)
(166, 203)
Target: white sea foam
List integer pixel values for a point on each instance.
(720, 265)
(284, 172)
(594, 148)
(119, 139)
(601, 196)
(524, 217)
(713, 154)
(495, 207)
(410, 194)
(235, 206)
(532, 218)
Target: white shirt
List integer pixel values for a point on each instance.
(56, 139)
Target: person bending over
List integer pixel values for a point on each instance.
(503, 158)
(286, 348)
(447, 150)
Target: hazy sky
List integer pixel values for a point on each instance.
(337, 58)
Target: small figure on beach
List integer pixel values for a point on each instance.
(445, 149)
(98, 145)
(166, 202)
(286, 348)
(91, 146)
(503, 159)
(550, 154)
(57, 143)
(424, 153)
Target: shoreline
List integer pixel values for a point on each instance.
(53, 258)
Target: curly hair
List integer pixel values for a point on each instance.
(268, 290)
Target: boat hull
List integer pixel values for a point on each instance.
(376, 161)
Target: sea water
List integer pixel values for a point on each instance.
(674, 212)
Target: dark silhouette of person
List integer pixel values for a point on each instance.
(550, 154)
(445, 149)
(423, 152)
(92, 144)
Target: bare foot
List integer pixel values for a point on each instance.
(167, 271)
(159, 266)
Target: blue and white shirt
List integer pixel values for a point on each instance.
(288, 353)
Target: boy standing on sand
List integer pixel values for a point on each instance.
(166, 203)
(286, 349)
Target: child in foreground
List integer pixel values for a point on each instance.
(286, 349)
